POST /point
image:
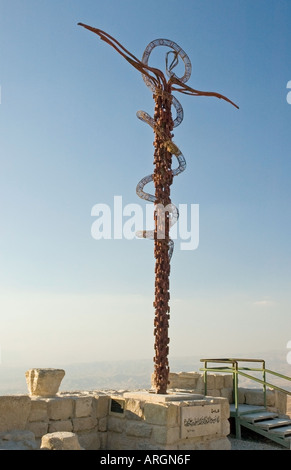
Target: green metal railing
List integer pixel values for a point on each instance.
(232, 367)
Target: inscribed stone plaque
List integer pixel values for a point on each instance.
(200, 420)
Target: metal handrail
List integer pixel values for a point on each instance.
(231, 365)
(278, 374)
(232, 360)
(238, 370)
(235, 370)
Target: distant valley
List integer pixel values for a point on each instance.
(131, 375)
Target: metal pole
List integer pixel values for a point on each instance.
(205, 378)
(264, 386)
(163, 178)
(236, 403)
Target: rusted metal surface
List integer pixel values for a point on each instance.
(163, 178)
(164, 148)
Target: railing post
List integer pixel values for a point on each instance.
(205, 378)
(233, 383)
(236, 404)
(264, 386)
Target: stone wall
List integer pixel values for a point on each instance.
(154, 425)
(84, 414)
(283, 403)
(221, 385)
(277, 401)
(143, 424)
(218, 385)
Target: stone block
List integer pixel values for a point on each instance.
(214, 382)
(134, 409)
(138, 429)
(14, 412)
(101, 406)
(164, 414)
(115, 424)
(84, 424)
(227, 393)
(173, 380)
(60, 441)
(254, 397)
(183, 380)
(185, 384)
(273, 409)
(121, 442)
(282, 402)
(145, 444)
(228, 381)
(225, 408)
(200, 384)
(103, 440)
(83, 407)
(90, 441)
(225, 427)
(188, 380)
(270, 397)
(189, 375)
(164, 435)
(219, 381)
(39, 428)
(210, 382)
(44, 382)
(213, 392)
(18, 440)
(102, 424)
(38, 411)
(60, 408)
(60, 426)
(241, 396)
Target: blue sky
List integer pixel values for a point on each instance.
(70, 139)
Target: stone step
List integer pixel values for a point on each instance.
(273, 423)
(243, 409)
(282, 431)
(255, 417)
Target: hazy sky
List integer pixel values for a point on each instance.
(70, 139)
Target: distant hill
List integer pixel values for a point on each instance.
(130, 375)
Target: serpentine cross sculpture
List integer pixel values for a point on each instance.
(166, 213)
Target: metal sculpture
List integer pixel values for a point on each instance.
(166, 214)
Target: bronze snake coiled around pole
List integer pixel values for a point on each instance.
(169, 144)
